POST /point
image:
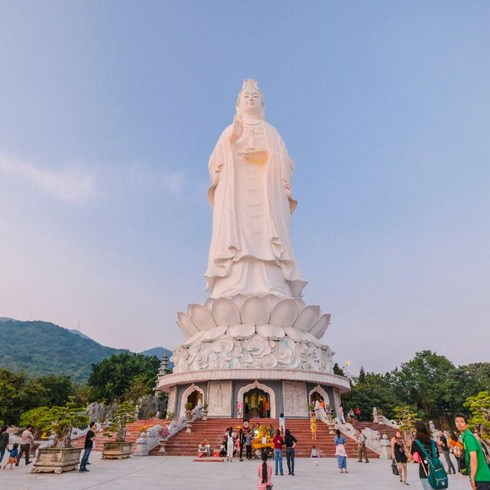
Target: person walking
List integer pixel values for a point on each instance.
(422, 436)
(340, 452)
(26, 440)
(89, 442)
(4, 441)
(314, 455)
(13, 453)
(282, 424)
(290, 442)
(278, 442)
(313, 427)
(478, 469)
(361, 443)
(444, 447)
(457, 448)
(229, 445)
(399, 455)
(265, 474)
(241, 440)
(248, 444)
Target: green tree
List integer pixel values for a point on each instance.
(57, 389)
(338, 370)
(479, 407)
(425, 381)
(406, 416)
(59, 420)
(111, 379)
(375, 391)
(362, 375)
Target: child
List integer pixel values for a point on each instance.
(314, 455)
(13, 453)
(265, 474)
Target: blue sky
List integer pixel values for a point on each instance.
(111, 109)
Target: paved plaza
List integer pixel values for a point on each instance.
(179, 473)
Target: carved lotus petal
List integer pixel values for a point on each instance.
(257, 346)
(284, 354)
(271, 331)
(194, 338)
(321, 326)
(284, 313)
(255, 311)
(202, 318)
(313, 339)
(299, 303)
(209, 303)
(307, 318)
(272, 300)
(294, 334)
(225, 312)
(214, 333)
(239, 299)
(241, 331)
(186, 325)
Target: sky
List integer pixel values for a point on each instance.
(109, 112)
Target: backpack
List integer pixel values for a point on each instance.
(437, 475)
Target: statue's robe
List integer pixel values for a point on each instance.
(251, 251)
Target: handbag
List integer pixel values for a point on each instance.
(394, 468)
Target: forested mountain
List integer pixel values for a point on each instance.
(41, 348)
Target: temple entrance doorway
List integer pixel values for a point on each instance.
(256, 404)
(193, 398)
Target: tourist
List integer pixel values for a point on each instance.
(422, 436)
(282, 424)
(229, 445)
(477, 466)
(341, 414)
(26, 440)
(483, 445)
(457, 449)
(248, 444)
(13, 453)
(444, 446)
(290, 442)
(89, 442)
(314, 455)
(4, 441)
(278, 441)
(265, 474)
(313, 427)
(222, 448)
(361, 443)
(271, 431)
(241, 442)
(399, 455)
(340, 452)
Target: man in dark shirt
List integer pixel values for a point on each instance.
(290, 442)
(445, 450)
(89, 442)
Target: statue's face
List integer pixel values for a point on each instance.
(250, 102)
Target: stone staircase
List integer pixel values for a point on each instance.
(185, 444)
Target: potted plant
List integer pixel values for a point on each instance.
(120, 448)
(205, 411)
(59, 421)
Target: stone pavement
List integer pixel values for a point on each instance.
(181, 473)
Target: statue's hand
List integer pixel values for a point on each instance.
(219, 168)
(287, 185)
(236, 129)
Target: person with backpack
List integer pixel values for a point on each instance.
(424, 450)
(477, 466)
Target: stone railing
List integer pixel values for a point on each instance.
(391, 423)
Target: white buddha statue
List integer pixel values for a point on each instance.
(251, 251)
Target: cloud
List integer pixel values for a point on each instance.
(69, 183)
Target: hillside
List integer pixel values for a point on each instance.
(159, 352)
(41, 348)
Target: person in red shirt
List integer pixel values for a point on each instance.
(278, 442)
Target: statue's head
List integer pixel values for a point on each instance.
(250, 99)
